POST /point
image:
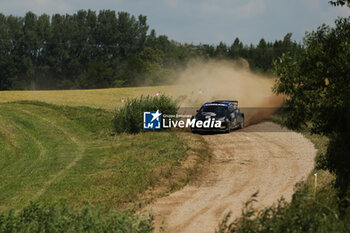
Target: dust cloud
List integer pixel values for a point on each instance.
(204, 81)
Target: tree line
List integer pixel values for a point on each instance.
(107, 49)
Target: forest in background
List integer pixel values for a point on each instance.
(108, 49)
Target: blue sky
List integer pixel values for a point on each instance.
(204, 21)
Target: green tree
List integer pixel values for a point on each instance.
(152, 55)
(317, 84)
(39, 52)
(14, 55)
(98, 75)
(7, 68)
(221, 50)
(236, 49)
(340, 3)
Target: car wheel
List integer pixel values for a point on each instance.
(242, 124)
(228, 128)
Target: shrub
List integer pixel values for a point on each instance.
(38, 218)
(129, 118)
(303, 214)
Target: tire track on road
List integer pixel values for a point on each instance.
(261, 157)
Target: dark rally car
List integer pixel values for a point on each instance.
(226, 111)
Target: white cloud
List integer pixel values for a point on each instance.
(251, 9)
(238, 9)
(234, 9)
(20, 7)
(174, 3)
(314, 5)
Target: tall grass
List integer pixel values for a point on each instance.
(129, 118)
(304, 214)
(53, 218)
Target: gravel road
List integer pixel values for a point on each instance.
(261, 157)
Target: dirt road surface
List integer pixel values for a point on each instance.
(261, 157)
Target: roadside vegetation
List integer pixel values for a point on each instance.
(54, 218)
(317, 85)
(129, 118)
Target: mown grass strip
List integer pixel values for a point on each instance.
(62, 154)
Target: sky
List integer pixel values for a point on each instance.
(204, 21)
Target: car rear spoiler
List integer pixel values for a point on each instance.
(227, 101)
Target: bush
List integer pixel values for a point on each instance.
(129, 118)
(303, 214)
(37, 218)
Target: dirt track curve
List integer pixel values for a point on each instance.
(261, 157)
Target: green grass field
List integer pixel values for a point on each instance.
(63, 154)
(97, 98)
(109, 98)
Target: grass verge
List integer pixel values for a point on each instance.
(68, 155)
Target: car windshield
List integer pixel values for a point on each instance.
(218, 110)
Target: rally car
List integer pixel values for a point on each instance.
(226, 111)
